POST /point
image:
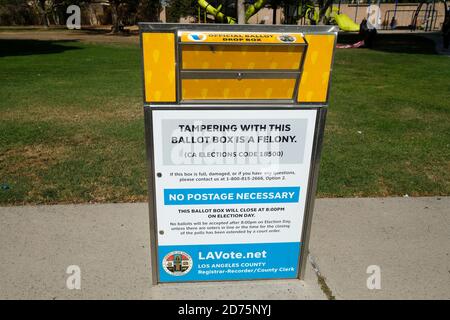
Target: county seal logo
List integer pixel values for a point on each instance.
(286, 38)
(197, 36)
(177, 263)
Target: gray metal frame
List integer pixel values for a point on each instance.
(312, 188)
(153, 223)
(165, 27)
(238, 105)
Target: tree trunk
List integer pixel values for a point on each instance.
(44, 18)
(274, 15)
(115, 17)
(155, 11)
(241, 11)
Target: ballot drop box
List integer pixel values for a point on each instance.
(234, 122)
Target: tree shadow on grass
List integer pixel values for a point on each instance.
(18, 47)
(107, 32)
(395, 42)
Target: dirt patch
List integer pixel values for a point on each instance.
(114, 112)
(384, 190)
(73, 35)
(104, 193)
(30, 159)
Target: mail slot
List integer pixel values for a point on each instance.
(248, 57)
(240, 65)
(243, 89)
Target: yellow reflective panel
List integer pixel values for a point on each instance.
(159, 67)
(316, 69)
(241, 57)
(219, 89)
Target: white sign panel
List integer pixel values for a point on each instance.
(230, 189)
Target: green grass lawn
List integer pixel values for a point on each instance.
(71, 122)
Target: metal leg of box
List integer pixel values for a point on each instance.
(151, 195)
(312, 189)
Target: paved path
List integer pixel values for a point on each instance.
(110, 244)
(408, 238)
(69, 35)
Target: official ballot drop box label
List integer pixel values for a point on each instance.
(230, 190)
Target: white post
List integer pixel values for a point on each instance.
(241, 11)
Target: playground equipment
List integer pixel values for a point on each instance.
(429, 17)
(306, 10)
(344, 22)
(332, 16)
(252, 9)
(219, 16)
(424, 16)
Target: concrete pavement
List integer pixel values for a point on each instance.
(110, 244)
(408, 238)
